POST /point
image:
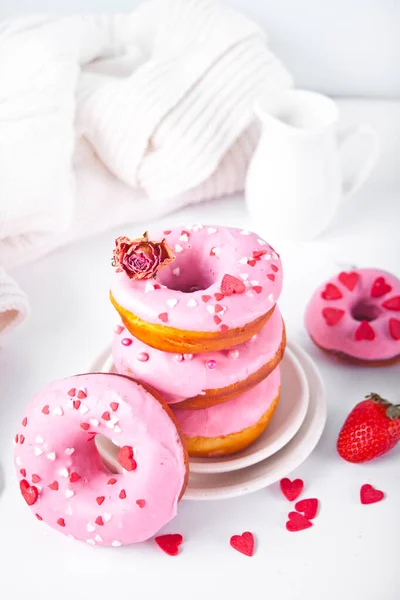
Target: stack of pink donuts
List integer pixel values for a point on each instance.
(204, 331)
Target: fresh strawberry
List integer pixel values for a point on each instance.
(371, 429)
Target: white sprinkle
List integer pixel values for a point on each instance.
(106, 517)
(271, 298)
(244, 276)
(90, 527)
(233, 353)
(184, 237)
(212, 230)
(117, 430)
(249, 293)
(246, 283)
(69, 493)
(98, 538)
(178, 357)
(275, 256)
(63, 472)
(188, 356)
(149, 287)
(70, 403)
(51, 456)
(211, 309)
(243, 261)
(254, 282)
(197, 227)
(37, 451)
(192, 303)
(58, 411)
(215, 251)
(178, 248)
(244, 232)
(261, 242)
(176, 271)
(83, 409)
(116, 543)
(172, 302)
(68, 510)
(91, 542)
(112, 422)
(18, 460)
(39, 439)
(69, 451)
(94, 422)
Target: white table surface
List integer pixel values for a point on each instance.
(351, 552)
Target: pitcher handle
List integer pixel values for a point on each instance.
(357, 180)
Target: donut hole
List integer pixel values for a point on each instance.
(191, 277)
(108, 452)
(363, 311)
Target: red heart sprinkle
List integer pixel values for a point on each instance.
(99, 521)
(243, 543)
(36, 478)
(332, 316)
(380, 288)
(125, 458)
(122, 494)
(45, 409)
(30, 493)
(369, 495)
(169, 543)
(308, 507)
(223, 328)
(24, 422)
(394, 328)
(271, 276)
(21, 438)
(218, 296)
(157, 286)
(251, 262)
(167, 231)
(349, 280)
(257, 289)
(274, 268)
(114, 406)
(390, 304)
(81, 394)
(297, 522)
(16, 439)
(364, 332)
(53, 486)
(163, 317)
(291, 489)
(218, 308)
(140, 503)
(76, 404)
(72, 392)
(85, 426)
(74, 477)
(257, 254)
(61, 522)
(206, 298)
(39, 518)
(232, 285)
(111, 481)
(23, 472)
(106, 415)
(100, 500)
(217, 319)
(331, 292)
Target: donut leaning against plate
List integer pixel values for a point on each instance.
(195, 288)
(197, 381)
(356, 316)
(63, 478)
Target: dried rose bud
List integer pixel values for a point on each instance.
(140, 258)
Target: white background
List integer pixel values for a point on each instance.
(341, 47)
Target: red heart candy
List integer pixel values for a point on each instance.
(72, 392)
(297, 522)
(217, 319)
(100, 500)
(81, 394)
(74, 477)
(169, 543)
(394, 328)
(53, 486)
(332, 316)
(85, 426)
(331, 292)
(232, 285)
(140, 503)
(106, 415)
(163, 317)
(364, 332)
(257, 289)
(206, 298)
(291, 489)
(114, 406)
(76, 404)
(30, 493)
(223, 328)
(251, 262)
(349, 280)
(99, 521)
(218, 296)
(274, 268)
(271, 276)
(308, 507)
(46, 409)
(392, 303)
(36, 478)
(24, 421)
(122, 494)
(111, 481)
(369, 495)
(61, 522)
(380, 288)
(243, 543)
(125, 458)
(23, 472)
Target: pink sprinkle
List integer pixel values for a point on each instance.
(178, 357)
(211, 364)
(126, 342)
(188, 356)
(233, 353)
(143, 356)
(118, 329)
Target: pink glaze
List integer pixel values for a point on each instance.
(55, 447)
(337, 323)
(230, 417)
(203, 255)
(176, 374)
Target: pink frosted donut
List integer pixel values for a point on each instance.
(231, 426)
(356, 316)
(201, 380)
(63, 479)
(218, 289)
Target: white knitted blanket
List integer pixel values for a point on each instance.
(105, 120)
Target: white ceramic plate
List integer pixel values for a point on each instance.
(286, 421)
(237, 483)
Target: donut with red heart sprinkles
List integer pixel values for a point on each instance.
(119, 497)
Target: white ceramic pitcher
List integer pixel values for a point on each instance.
(294, 182)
